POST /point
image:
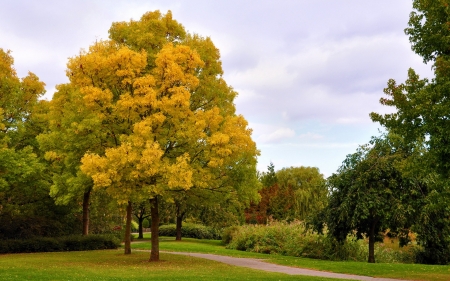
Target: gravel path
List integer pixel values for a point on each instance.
(260, 265)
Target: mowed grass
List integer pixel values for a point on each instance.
(114, 265)
(399, 271)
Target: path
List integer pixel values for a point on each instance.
(260, 265)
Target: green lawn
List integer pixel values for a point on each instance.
(401, 271)
(114, 265)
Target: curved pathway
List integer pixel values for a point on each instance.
(260, 265)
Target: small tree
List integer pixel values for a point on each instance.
(367, 195)
(141, 212)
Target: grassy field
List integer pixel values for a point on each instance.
(400, 271)
(114, 265)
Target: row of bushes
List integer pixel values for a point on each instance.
(60, 244)
(191, 231)
(294, 240)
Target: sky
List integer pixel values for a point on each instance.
(308, 73)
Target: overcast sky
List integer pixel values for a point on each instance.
(308, 72)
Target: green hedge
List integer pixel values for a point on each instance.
(66, 243)
(190, 231)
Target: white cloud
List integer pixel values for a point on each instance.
(277, 136)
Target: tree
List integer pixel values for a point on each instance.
(18, 97)
(71, 132)
(428, 29)
(270, 177)
(421, 118)
(169, 131)
(218, 206)
(288, 194)
(140, 211)
(25, 207)
(367, 195)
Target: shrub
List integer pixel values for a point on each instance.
(294, 240)
(190, 231)
(67, 243)
(228, 233)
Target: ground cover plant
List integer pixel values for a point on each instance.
(114, 265)
(386, 270)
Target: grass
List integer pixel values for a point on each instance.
(114, 265)
(400, 271)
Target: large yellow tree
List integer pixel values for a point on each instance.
(212, 91)
(162, 144)
(148, 121)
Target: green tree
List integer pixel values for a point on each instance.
(367, 195)
(421, 119)
(26, 209)
(220, 205)
(306, 189)
(428, 29)
(269, 178)
(70, 133)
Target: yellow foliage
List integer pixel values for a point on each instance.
(95, 97)
(51, 156)
(149, 163)
(106, 65)
(166, 124)
(179, 174)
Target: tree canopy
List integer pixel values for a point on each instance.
(26, 208)
(147, 114)
(368, 195)
(293, 193)
(422, 120)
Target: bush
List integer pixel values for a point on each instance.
(294, 240)
(228, 233)
(190, 231)
(67, 243)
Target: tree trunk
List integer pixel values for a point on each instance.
(179, 225)
(372, 244)
(128, 230)
(179, 221)
(141, 231)
(154, 254)
(86, 197)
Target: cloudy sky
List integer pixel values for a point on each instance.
(308, 72)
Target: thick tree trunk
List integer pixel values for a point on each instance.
(128, 230)
(372, 244)
(154, 254)
(179, 225)
(86, 197)
(141, 231)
